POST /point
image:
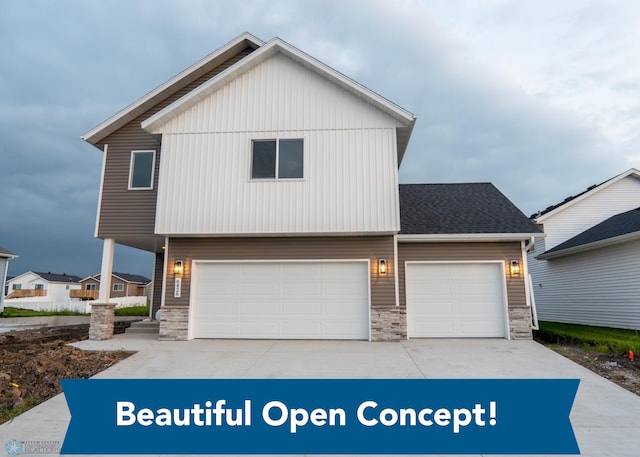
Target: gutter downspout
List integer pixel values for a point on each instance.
(528, 284)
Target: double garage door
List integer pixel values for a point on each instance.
(281, 300)
(456, 300)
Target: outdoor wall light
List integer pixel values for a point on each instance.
(178, 267)
(514, 268)
(382, 266)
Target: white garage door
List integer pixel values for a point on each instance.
(455, 300)
(295, 300)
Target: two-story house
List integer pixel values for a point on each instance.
(586, 269)
(266, 184)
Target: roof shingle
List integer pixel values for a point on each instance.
(464, 208)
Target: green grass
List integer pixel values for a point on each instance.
(7, 414)
(601, 339)
(16, 312)
(133, 311)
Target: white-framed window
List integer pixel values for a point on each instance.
(16, 287)
(141, 170)
(89, 286)
(118, 287)
(38, 286)
(277, 158)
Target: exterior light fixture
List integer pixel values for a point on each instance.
(382, 266)
(514, 268)
(178, 267)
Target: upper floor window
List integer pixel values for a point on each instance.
(118, 287)
(16, 287)
(89, 286)
(277, 159)
(141, 170)
(38, 286)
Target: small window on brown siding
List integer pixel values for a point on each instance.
(142, 169)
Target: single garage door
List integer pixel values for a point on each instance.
(455, 300)
(294, 300)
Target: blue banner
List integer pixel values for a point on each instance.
(320, 416)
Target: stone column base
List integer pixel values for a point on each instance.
(101, 322)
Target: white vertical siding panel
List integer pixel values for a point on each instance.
(276, 95)
(599, 287)
(205, 186)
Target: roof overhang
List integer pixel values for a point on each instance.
(7, 255)
(590, 246)
(118, 120)
(468, 237)
(405, 119)
(604, 185)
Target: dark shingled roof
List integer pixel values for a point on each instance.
(618, 225)
(132, 278)
(5, 252)
(55, 277)
(458, 209)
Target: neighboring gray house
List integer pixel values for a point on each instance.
(587, 269)
(266, 185)
(5, 256)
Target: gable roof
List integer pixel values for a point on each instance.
(126, 277)
(56, 277)
(7, 253)
(617, 229)
(118, 120)
(276, 45)
(461, 209)
(573, 199)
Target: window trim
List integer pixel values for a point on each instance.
(119, 285)
(277, 164)
(38, 286)
(153, 169)
(90, 286)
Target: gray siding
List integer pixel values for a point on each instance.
(599, 287)
(128, 216)
(158, 270)
(370, 247)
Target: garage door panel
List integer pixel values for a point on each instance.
(281, 300)
(455, 300)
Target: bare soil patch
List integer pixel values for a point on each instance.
(32, 362)
(614, 367)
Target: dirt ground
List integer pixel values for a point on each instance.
(32, 362)
(616, 368)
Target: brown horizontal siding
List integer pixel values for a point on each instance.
(465, 251)
(302, 248)
(128, 213)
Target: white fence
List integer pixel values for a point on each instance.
(77, 306)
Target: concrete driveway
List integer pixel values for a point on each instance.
(605, 417)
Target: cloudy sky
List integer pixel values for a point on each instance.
(542, 98)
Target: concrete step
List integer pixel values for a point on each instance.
(144, 327)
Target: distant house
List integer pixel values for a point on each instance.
(122, 285)
(5, 256)
(586, 270)
(38, 290)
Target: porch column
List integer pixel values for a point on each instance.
(102, 316)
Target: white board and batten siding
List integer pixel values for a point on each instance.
(598, 287)
(350, 159)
